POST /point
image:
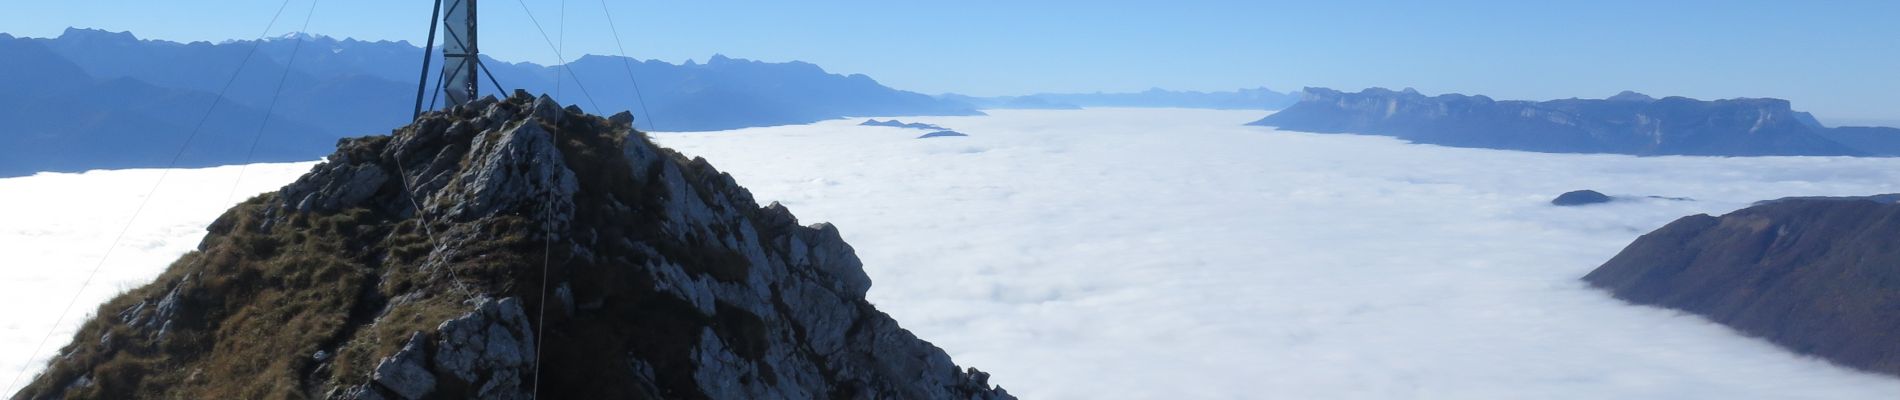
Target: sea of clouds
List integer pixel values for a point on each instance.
(1143, 253)
(56, 229)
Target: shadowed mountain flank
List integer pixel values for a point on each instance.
(1819, 276)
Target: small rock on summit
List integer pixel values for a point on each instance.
(939, 134)
(1579, 198)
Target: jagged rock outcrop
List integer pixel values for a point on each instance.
(1819, 276)
(1628, 123)
(504, 249)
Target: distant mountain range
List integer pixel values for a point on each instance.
(61, 118)
(1628, 123)
(95, 99)
(901, 124)
(1243, 99)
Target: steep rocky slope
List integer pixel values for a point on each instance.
(411, 266)
(1819, 276)
(1628, 123)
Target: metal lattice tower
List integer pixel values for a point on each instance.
(460, 56)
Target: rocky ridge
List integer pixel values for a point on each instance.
(411, 266)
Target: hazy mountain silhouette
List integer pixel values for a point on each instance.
(1628, 123)
(90, 73)
(62, 119)
(1243, 99)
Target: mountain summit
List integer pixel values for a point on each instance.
(412, 266)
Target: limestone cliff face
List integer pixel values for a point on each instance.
(1818, 276)
(411, 266)
(1628, 123)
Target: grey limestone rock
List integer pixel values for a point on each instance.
(490, 348)
(334, 186)
(405, 373)
(513, 170)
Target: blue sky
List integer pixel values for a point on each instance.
(1839, 59)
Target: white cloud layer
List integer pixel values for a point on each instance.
(55, 228)
(1177, 254)
(1156, 254)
